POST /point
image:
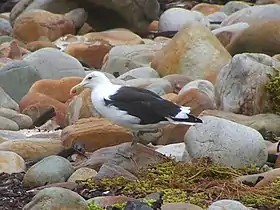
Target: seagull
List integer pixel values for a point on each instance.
(137, 109)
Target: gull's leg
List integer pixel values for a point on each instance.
(134, 138)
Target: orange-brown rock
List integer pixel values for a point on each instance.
(153, 26)
(195, 99)
(277, 163)
(34, 24)
(170, 96)
(277, 56)
(187, 60)
(34, 104)
(12, 50)
(49, 87)
(177, 81)
(36, 45)
(116, 37)
(91, 52)
(80, 107)
(260, 37)
(33, 149)
(95, 133)
(207, 9)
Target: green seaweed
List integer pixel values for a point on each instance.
(199, 183)
(273, 88)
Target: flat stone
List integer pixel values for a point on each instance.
(11, 162)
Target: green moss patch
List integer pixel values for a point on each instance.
(199, 183)
(273, 88)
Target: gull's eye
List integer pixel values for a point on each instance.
(89, 78)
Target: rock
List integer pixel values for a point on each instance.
(226, 143)
(92, 53)
(260, 122)
(40, 173)
(49, 87)
(11, 162)
(58, 198)
(258, 13)
(95, 133)
(45, 24)
(7, 124)
(36, 45)
(240, 84)
(227, 205)
(66, 185)
(122, 155)
(180, 206)
(203, 86)
(109, 170)
(261, 179)
(101, 15)
(115, 37)
(175, 151)
(233, 6)
(10, 72)
(177, 81)
(51, 63)
(175, 19)
(105, 201)
(36, 104)
(188, 44)
(6, 101)
(216, 17)
(9, 135)
(254, 39)
(142, 72)
(12, 50)
(5, 27)
(33, 148)
(160, 87)
(82, 174)
(206, 9)
(23, 121)
(123, 58)
(135, 205)
(197, 100)
(81, 107)
(227, 33)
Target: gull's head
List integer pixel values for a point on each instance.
(92, 80)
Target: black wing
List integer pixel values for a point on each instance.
(142, 103)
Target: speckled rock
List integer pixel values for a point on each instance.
(226, 143)
(227, 205)
(82, 174)
(240, 84)
(58, 198)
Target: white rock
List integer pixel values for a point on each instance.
(7, 124)
(217, 17)
(175, 18)
(176, 151)
(227, 205)
(226, 143)
(233, 6)
(11, 162)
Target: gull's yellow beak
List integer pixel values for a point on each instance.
(77, 89)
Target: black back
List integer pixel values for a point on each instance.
(144, 104)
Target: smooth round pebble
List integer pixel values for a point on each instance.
(56, 198)
(82, 174)
(52, 169)
(11, 162)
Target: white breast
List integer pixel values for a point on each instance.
(112, 113)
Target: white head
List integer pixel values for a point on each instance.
(91, 81)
